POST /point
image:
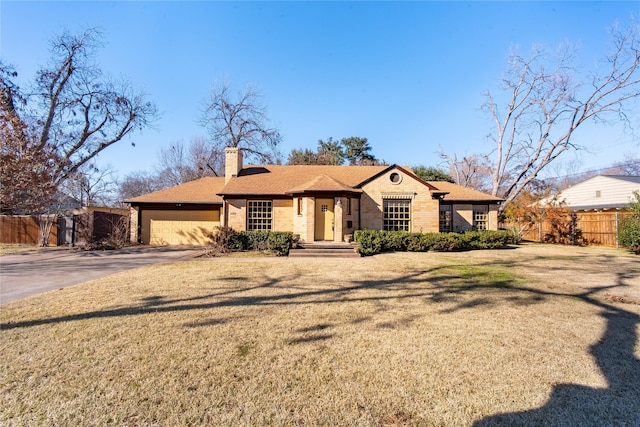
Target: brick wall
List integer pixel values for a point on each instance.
(237, 214)
(424, 209)
(283, 214)
(303, 224)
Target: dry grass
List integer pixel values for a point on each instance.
(538, 335)
(10, 249)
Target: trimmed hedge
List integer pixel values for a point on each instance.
(228, 240)
(371, 242)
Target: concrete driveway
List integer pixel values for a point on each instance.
(35, 272)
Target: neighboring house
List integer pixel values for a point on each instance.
(601, 193)
(316, 202)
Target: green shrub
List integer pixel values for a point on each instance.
(223, 239)
(449, 242)
(371, 242)
(422, 242)
(280, 242)
(396, 240)
(629, 228)
(629, 233)
(256, 240)
(227, 240)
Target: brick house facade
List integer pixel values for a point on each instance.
(316, 202)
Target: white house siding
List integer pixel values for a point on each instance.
(601, 192)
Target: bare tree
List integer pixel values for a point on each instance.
(240, 120)
(545, 104)
(473, 171)
(630, 166)
(137, 184)
(70, 115)
(92, 186)
(182, 163)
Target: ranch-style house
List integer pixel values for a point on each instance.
(315, 202)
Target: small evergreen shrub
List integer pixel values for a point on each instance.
(629, 233)
(280, 242)
(369, 242)
(629, 228)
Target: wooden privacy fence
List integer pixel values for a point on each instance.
(593, 228)
(23, 229)
(74, 230)
(95, 226)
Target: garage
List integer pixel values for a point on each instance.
(186, 214)
(183, 228)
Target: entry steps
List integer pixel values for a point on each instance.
(325, 249)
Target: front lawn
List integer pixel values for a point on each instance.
(535, 335)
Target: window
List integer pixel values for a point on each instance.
(349, 206)
(480, 217)
(445, 218)
(259, 214)
(395, 178)
(397, 215)
(299, 206)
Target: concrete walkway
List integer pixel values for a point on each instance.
(34, 272)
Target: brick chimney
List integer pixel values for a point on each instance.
(232, 163)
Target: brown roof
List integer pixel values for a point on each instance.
(459, 193)
(287, 179)
(322, 183)
(294, 179)
(204, 191)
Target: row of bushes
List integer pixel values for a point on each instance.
(227, 239)
(371, 242)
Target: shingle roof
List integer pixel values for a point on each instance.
(293, 179)
(460, 193)
(285, 179)
(320, 184)
(630, 178)
(203, 191)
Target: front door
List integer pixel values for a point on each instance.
(324, 219)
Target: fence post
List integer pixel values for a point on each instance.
(573, 228)
(617, 230)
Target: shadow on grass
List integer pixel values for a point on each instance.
(568, 404)
(574, 404)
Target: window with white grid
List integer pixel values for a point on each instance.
(259, 215)
(397, 215)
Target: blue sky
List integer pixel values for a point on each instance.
(409, 76)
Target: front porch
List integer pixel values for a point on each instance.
(326, 218)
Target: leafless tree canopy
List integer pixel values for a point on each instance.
(70, 114)
(473, 171)
(92, 186)
(545, 102)
(180, 163)
(240, 120)
(138, 183)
